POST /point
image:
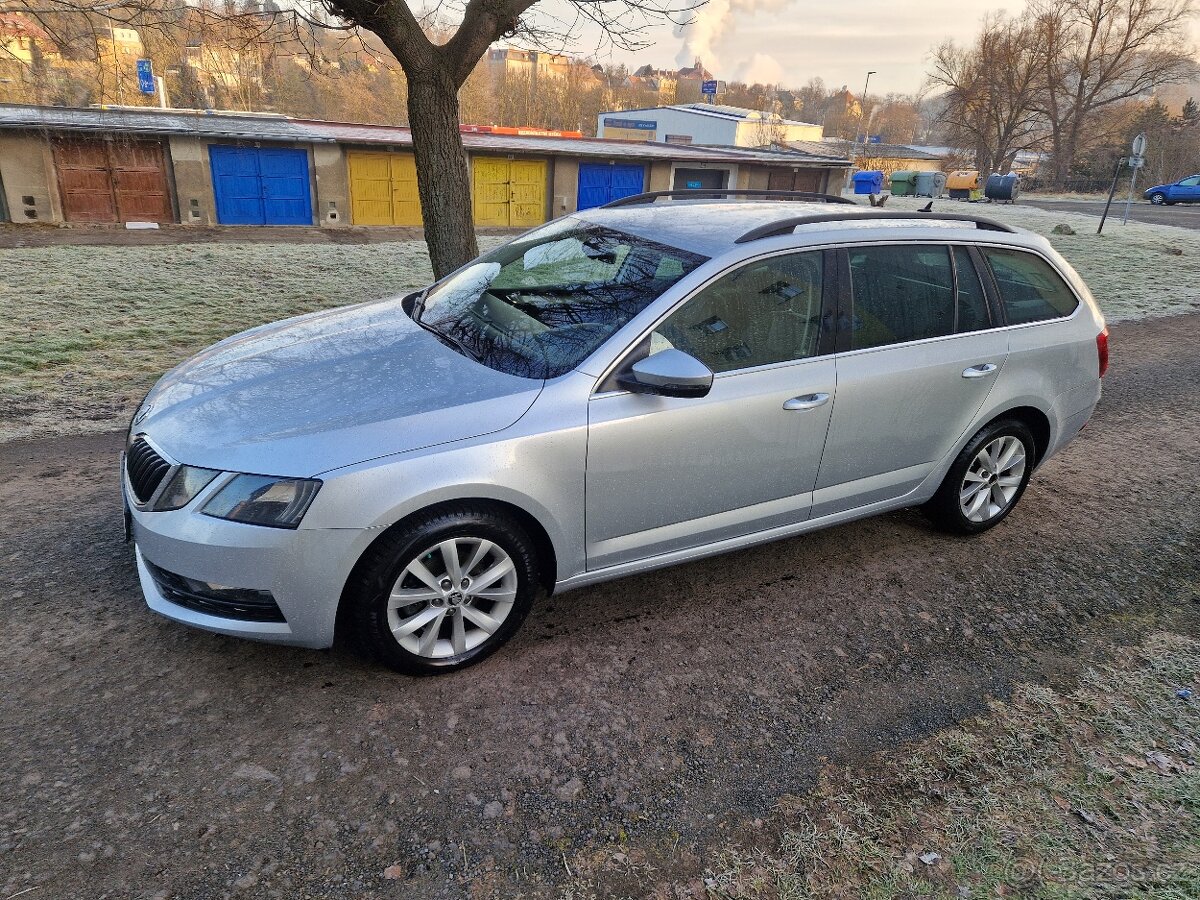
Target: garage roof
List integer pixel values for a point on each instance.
(274, 127)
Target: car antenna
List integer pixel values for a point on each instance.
(928, 207)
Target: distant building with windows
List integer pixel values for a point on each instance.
(509, 61)
(704, 123)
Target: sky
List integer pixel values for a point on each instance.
(787, 42)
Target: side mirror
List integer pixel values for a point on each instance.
(669, 373)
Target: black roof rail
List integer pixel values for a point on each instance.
(708, 194)
(783, 226)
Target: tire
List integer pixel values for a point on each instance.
(1158, 198)
(955, 510)
(473, 619)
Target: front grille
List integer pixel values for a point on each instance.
(146, 469)
(242, 604)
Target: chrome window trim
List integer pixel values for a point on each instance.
(846, 245)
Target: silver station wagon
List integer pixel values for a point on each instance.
(625, 388)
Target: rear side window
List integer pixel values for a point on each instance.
(1029, 287)
(901, 293)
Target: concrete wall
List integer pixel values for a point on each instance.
(564, 186)
(193, 180)
(331, 186)
(27, 170)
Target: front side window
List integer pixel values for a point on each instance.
(1190, 182)
(901, 293)
(767, 311)
(1029, 287)
(539, 306)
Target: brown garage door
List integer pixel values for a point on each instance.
(797, 180)
(112, 181)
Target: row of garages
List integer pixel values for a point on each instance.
(113, 166)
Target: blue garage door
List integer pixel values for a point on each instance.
(598, 184)
(261, 185)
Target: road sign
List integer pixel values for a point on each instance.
(1139, 145)
(1136, 162)
(145, 73)
(708, 87)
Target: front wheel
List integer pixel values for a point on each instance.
(445, 591)
(1158, 198)
(986, 480)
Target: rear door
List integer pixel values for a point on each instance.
(919, 351)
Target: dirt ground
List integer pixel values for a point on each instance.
(625, 736)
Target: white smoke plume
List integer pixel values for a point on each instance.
(715, 21)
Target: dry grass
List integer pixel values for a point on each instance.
(1091, 794)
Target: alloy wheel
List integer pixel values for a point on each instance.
(1158, 199)
(992, 479)
(452, 597)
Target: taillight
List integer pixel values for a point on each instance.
(1102, 350)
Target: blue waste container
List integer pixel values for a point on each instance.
(868, 182)
(1002, 188)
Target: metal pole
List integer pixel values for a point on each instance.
(1129, 199)
(1112, 190)
(862, 111)
(162, 91)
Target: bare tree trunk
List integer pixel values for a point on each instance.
(446, 193)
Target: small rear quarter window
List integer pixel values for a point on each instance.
(1029, 287)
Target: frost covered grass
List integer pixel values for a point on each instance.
(86, 330)
(1088, 794)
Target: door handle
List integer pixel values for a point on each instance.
(980, 370)
(808, 401)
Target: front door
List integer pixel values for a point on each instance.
(922, 352)
(1188, 190)
(667, 473)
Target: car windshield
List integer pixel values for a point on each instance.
(537, 307)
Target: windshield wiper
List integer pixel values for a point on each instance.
(449, 340)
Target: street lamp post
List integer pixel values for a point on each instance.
(862, 111)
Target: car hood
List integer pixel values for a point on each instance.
(325, 390)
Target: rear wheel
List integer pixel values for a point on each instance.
(986, 480)
(445, 591)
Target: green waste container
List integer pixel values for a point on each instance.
(903, 184)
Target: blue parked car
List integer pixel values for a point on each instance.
(1185, 191)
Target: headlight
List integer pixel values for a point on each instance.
(187, 482)
(263, 500)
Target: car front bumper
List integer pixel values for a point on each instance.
(304, 570)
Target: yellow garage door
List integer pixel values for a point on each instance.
(510, 192)
(383, 189)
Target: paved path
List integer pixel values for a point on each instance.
(625, 735)
(1183, 215)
